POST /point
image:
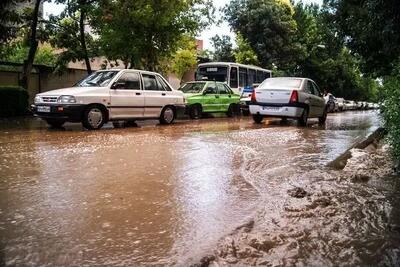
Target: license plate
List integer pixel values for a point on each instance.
(271, 108)
(43, 109)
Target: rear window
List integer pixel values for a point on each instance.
(278, 83)
(193, 87)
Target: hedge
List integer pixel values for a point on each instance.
(391, 110)
(14, 101)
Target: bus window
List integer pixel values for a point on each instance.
(259, 77)
(234, 77)
(243, 77)
(252, 77)
(267, 75)
(212, 73)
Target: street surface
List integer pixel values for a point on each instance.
(160, 195)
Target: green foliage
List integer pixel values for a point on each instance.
(244, 53)
(269, 28)
(371, 29)
(9, 20)
(145, 33)
(18, 51)
(222, 48)
(64, 33)
(185, 58)
(13, 101)
(391, 109)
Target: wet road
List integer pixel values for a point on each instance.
(150, 195)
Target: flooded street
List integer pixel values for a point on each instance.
(167, 195)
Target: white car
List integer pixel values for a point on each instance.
(111, 95)
(288, 97)
(340, 102)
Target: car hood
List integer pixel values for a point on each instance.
(70, 91)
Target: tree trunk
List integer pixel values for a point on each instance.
(82, 38)
(33, 44)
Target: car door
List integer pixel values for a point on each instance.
(319, 100)
(211, 101)
(155, 96)
(126, 97)
(225, 97)
(309, 97)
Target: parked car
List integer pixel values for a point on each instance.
(210, 97)
(331, 103)
(287, 97)
(340, 102)
(245, 99)
(111, 95)
(349, 105)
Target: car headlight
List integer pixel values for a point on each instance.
(66, 99)
(38, 99)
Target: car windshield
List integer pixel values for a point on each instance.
(281, 83)
(100, 78)
(192, 87)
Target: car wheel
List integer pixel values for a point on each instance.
(304, 118)
(257, 118)
(93, 118)
(195, 111)
(322, 119)
(245, 112)
(233, 110)
(167, 115)
(55, 123)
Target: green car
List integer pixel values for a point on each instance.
(210, 97)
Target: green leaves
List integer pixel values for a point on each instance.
(145, 33)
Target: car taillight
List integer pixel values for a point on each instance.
(294, 97)
(253, 96)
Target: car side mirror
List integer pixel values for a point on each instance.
(118, 85)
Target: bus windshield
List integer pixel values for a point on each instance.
(212, 73)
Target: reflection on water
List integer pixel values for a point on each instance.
(151, 194)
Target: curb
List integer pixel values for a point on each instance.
(340, 162)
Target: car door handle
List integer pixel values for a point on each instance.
(163, 94)
(138, 93)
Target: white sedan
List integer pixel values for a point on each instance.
(288, 97)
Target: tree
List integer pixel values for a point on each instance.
(244, 53)
(68, 32)
(185, 58)
(144, 33)
(269, 28)
(33, 44)
(10, 18)
(371, 29)
(17, 52)
(222, 48)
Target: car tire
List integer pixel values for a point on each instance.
(195, 111)
(302, 121)
(257, 118)
(55, 123)
(245, 112)
(322, 119)
(233, 110)
(94, 117)
(168, 115)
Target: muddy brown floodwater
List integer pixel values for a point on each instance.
(155, 195)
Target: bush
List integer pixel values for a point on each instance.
(391, 110)
(13, 101)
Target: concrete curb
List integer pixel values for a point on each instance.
(340, 162)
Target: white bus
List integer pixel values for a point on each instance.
(237, 76)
